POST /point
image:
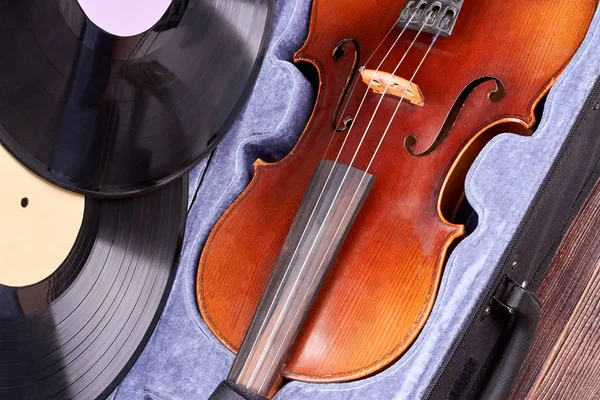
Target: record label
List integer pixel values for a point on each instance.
(40, 223)
(125, 17)
(82, 283)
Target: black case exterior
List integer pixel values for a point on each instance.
(487, 356)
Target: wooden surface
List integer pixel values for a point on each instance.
(564, 362)
(382, 286)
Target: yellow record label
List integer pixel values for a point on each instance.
(38, 224)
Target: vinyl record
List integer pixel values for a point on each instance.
(109, 115)
(82, 283)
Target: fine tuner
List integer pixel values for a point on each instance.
(431, 16)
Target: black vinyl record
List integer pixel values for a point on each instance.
(105, 115)
(76, 333)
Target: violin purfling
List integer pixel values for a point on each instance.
(327, 266)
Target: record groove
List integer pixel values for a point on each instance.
(109, 116)
(74, 334)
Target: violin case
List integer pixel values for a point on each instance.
(524, 190)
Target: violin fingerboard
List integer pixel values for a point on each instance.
(330, 205)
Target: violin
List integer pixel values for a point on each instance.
(327, 266)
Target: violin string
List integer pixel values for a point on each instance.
(354, 196)
(370, 83)
(337, 194)
(367, 91)
(384, 134)
(387, 86)
(398, 105)
(390, 124)
(354, 84)
(263, 353)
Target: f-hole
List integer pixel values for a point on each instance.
(338, 52)
(494, 96)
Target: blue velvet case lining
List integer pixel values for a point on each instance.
(183, 360)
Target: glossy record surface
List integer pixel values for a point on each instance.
(111, 116)
(500, 60)
(77, 332)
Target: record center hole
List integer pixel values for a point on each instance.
(125, 17)
(24, 202)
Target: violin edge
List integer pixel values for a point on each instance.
(260, 166)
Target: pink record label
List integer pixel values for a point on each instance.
(125, 17)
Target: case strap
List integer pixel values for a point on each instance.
(523, 310)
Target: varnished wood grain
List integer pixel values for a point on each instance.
(563, 362)
(382, 286)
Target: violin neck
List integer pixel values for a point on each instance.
(329, 207)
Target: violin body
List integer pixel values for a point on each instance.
(487, 77)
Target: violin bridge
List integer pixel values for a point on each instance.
(396, 86)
